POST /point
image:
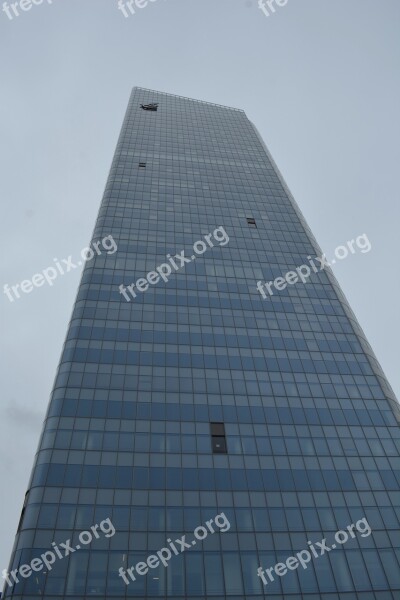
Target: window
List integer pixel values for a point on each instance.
(153, 106)
(218, 439)
(251, 222)
(142, 165)
(23, 511)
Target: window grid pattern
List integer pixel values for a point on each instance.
(312, 434)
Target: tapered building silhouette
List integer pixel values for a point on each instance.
(182, 393)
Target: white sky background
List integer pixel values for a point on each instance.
(320, 80)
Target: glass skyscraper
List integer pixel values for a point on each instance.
(182, 393)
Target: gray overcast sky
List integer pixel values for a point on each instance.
(319, 78)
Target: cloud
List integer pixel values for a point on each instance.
(23, 415)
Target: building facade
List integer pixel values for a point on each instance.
(188, 404)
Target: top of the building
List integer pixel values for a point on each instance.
(185, 98)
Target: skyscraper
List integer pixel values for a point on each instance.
(187, 395)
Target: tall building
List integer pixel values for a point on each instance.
(192, 400)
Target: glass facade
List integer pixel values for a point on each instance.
(195, 396)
